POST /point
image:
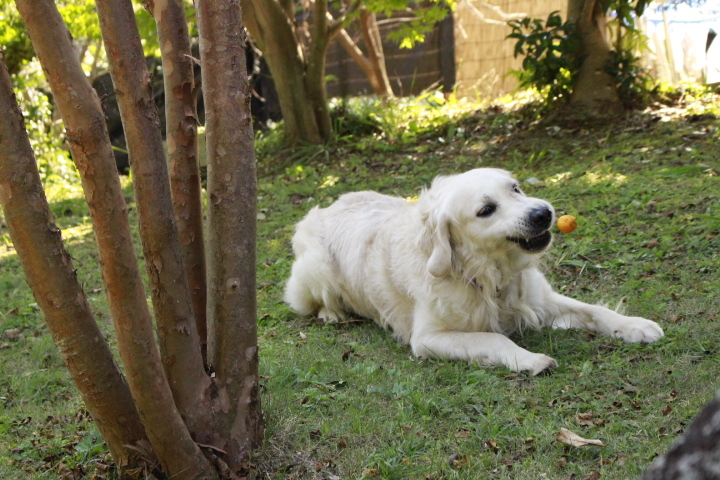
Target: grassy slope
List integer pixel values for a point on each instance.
(343, 401)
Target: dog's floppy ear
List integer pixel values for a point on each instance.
(435, 237)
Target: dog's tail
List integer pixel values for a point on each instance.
(311, 288)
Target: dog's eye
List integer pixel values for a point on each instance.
(516, 188)
(487, 210)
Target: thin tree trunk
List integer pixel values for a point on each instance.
(315, 72)
(595, 89)
(376, 55)
(181, 122)
(51, 276)
(346, 41)
(274, 33)
(232, 325)
(177, 332)
(179, 343)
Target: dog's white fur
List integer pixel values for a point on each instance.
(442, 274)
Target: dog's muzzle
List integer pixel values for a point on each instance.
(537, 243)
(538, 223)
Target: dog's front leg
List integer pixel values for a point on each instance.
(430, 339)
(566, 312)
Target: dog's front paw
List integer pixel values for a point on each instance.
(543, 364)
(639, 330)
(532, 362)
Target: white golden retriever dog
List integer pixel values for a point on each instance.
(451, 275)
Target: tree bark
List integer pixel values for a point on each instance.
(376, 56)
(51, 276)
(231, 186)
(179, 342)
(695, 455)
(177, 332)
(594, 91)
(181, 126)
(315, 68)
(271, 25)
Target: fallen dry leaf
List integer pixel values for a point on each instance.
(585, 419)
(369, 472)
(12, 334)
(567, 437)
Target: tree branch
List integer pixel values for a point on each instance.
(181, 122)
(354, 51)
(51, 276)
(338, 23)
(177, 332)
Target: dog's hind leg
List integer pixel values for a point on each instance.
(310, 289)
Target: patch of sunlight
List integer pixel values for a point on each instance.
(76, 234)
(125, 181)
(594, 178)
(476, 147)
(6, 247)
(70, 236)
(560, 177)
(56, 192)
(519, 99)
(329, 181)
(412, 199)
(275, 243)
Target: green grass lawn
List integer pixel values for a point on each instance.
(345, 401)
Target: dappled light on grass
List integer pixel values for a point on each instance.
(345, 399)
(77, 234)
(398, 417)
(7, 251)
(613, 178)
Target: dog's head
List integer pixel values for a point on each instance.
(485, 211)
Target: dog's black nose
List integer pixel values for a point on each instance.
(540, 217)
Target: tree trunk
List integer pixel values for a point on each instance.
(315, 68)
(176, 403)
(51, 276)
(231, 220)
(376, 56)
(594, 92)
(181, 126)
(304, 111)
(177, 331)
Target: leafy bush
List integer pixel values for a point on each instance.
(634, 85)
(549, 65)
